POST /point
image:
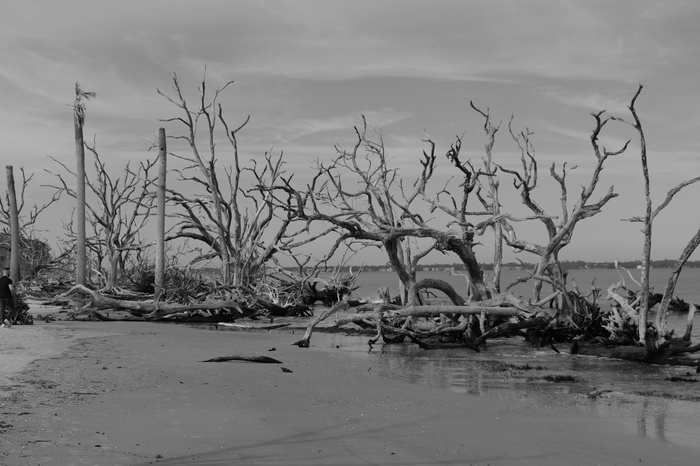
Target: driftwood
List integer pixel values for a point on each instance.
(509, 328)
(676, 352)
(432, 346)
(251, 327)
(624, 304)
(401, 321)
(260, 359)
(151, 310)
(147, 309)
(304, 342)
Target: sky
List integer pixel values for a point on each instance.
(307, 70)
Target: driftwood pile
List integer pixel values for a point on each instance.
(583, 328)
(98, 306)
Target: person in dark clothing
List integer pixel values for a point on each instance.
(5, 296)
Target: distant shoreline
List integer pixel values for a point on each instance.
(567, 265)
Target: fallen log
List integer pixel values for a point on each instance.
(670, 355)
(501, 305)
(472, 308)
(251, 327)
(147, 309)
(432, 346)
(260, 359)
(153, 310)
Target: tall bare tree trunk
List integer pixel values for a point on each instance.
(160, 253)
(14, 225)
(81, 240)
(226, 259)
(81, 245)
(648, 220)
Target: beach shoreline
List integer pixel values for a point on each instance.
(126, 393)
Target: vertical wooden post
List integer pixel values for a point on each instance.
(14, 225)
(81, 237)
(160, 253)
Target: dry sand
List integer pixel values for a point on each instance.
(96, 393)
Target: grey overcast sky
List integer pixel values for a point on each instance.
(307, 70)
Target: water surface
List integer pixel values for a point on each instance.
(639, 396)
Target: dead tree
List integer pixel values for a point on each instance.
(119, 209)
(648, 220)
(28, 249)
(559, 233)
(377, 210)
(14, 225)
(28, 221)
(360, 195)
(491, 201)
(160, 214)
(237, 222)
(81, 239)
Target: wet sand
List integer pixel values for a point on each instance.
(98, 393)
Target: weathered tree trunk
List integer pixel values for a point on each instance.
(81, 239)
(648, 221)
(224, 235)
(494, 205)
(111, 279)
(160, 233)
(498, 239)
(392, 246)
(14, 225)
(689, 327)
(662, 311)
(466, 254)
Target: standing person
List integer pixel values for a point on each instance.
(6, 288)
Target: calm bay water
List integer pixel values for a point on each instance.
(638, 395)
(688, 287)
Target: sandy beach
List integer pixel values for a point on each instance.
(122, 393)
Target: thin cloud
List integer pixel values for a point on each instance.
(591, 101)
(305, 127)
